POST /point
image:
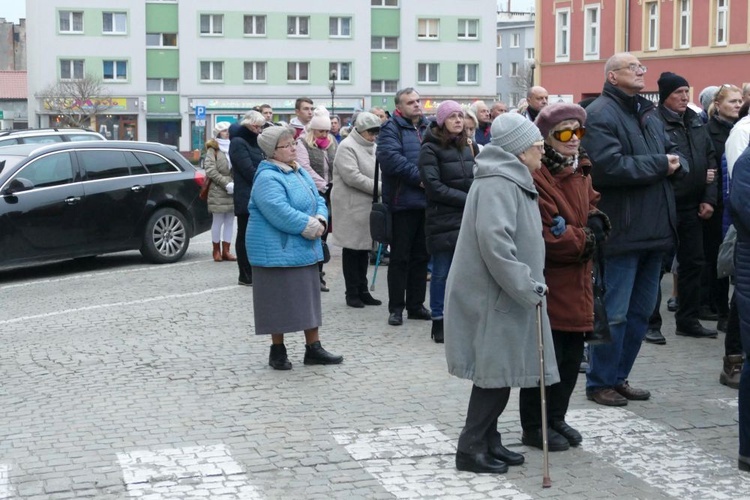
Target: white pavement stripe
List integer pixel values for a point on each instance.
(6, 489)
(419, 461)
(730, 402)
(657, 455)
(116, 304)
(178, 473)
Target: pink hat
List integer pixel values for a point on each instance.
(447, 108)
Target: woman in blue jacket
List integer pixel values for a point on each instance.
(287, 219)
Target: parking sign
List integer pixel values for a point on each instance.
(200, 112)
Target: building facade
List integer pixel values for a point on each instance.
(160, 61)
(515, 56)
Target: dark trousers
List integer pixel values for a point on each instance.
(246, 272)
(714, 291)
(480, 431)
(568, 353)
(691, 263)
(733, 340)
(354, 264)
(407, 270)
(655, 321)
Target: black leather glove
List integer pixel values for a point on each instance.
(596, 224)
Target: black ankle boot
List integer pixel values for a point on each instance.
(277, 359)
(437, 331)
(369, 300)
(323, 287)
(316, 355)
(354, 301)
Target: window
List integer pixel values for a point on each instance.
(499, 70)
(255, 71)
(115, 70)
(652, 29)
(499, 41)
(343, 71)
(428, 29)
(161, 39)
(467, 73)
(298, 72)
(530, 53)
(115, 23)
(51, 170)
(212, 24)
(684, 30)
(298, 26)
(71, 22)
(161, 84)
(105, 164)
(722, 21)
(212, 71)
(427, 73)
(340, 27)
(383, 86)
(591, 35)
(384, 3)
(255, 25)
(468, 29)
(515, 40)
(155, 164)
(562, 38)
(384, 43)
(71, 69)
(514, 69)
(515, 97)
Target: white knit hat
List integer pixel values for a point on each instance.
(514, 133)
(220, 127)
(321, 119)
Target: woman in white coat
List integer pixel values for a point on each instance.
(351, 200)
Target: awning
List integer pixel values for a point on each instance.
(163, 116)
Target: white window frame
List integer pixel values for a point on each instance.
(116, 63)
(514, 69)
(212, 65)
(499, 40)
(161, 89)
(722, 23)
(341, 21)
(298, 65)
(463, 70)
(213, 30)
(254, 18)
(119, 23)
(381, 42)
(498, 70)
(71, 17)
(384, 3)
(162, 43)
(255, 68)
(592, 33)
(297, 27)
(71, 68)
(384, 86)
(562, 35)
(431, 29)
(652, 25)
(684, 16)
(530, 53)
(426, 69)
(341, 69)
(515, 40)
(464, 29)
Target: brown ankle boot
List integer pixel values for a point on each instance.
(217, 253)
(225, 251)
(730, 375)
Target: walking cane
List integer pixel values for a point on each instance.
(377, 264)
(546, 482)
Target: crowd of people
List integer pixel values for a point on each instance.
(506, 214)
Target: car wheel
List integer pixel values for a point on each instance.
(165, 238)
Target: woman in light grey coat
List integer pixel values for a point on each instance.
(351, 201)
(494, 285)
(220, 201)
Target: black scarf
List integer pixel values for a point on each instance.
(555, 162)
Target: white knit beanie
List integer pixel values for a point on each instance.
(321, 119)
(514, 133)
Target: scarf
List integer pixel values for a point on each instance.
(224, 148)
(323, 143)
(555, 162)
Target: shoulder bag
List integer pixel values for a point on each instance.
(380, 217)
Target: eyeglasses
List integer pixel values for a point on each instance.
(288, 146)
(373, 131)
(633, 67)
(567, 134)
(539, 145)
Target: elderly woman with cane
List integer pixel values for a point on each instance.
(495, 283)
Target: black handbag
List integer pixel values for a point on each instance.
(326, 252)
(380, 216)
(600, 333)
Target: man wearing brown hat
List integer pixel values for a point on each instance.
(633, 164)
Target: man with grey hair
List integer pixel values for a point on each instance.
(482, 135)
(746, 92)
(497, 109)
(633, 161)
(706, 97)
(537, 97)
(377, 111)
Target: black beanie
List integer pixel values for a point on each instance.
(668, 83)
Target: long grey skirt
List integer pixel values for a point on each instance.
(286, 299)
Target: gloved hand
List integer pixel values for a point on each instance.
(230, 187)
(559, 226)
(596, 224)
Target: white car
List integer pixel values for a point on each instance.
(48, 136)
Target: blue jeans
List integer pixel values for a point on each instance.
(632, 282)
(441, 264)
(742, 297)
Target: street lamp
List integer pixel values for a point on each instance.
(332, 88)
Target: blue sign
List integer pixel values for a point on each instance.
(200, 112)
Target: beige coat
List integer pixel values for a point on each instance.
(351, 196)
(217, 169)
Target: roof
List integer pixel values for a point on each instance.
(13, 85)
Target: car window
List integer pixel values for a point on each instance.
(135, 166)
(103, 164)
(8, 142)
(41, 139)
(51, 170)
(155, 163)
(83, 137)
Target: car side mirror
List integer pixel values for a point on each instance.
(18, 185)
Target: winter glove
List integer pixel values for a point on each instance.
(596, 224)
(230, 188)
(559, 226)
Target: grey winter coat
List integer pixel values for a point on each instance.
(351, 195)
(497, 279)
(217, 169)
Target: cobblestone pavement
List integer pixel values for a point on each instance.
(127, 380)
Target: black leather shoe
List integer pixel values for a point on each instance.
(696, 331)
(421, 313)
(369, 300)
(654, 336)
(673, 303)
(573, 436)
(437, 331)
(277, 359)
(355, 302)
(480, 463)
(743, 463)
(316, 355)
(723, 324)
(505, 455)
(396, 318)
(555, 441)
(707, 314)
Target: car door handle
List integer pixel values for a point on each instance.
(72, 200)
(137, 189)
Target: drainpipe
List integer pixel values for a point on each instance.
(627, 26)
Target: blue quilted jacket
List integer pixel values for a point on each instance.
(281, 204)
